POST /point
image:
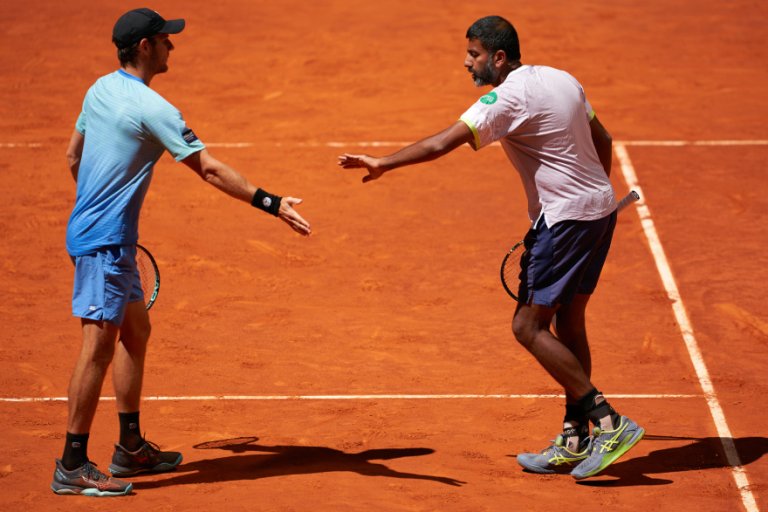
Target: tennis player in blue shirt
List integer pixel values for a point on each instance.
(122, 131)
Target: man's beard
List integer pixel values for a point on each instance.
(485, 76)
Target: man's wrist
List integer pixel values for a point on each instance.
(267, 202)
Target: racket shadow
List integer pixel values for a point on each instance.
(252, 461)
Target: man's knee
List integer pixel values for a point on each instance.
(523, 331)
(529, 322)
(98, 346)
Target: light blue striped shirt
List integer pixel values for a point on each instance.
(127, 126)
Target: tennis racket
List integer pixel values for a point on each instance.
(149, 275)
(510, 265)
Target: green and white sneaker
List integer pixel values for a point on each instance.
(608, 446)
(555, 458)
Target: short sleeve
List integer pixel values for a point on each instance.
(80, 124)
(493, 117)
(588, 106)
(166, 124)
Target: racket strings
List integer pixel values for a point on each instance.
(510, 269)
(149, 275)
(146, 273)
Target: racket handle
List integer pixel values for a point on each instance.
(627, 200)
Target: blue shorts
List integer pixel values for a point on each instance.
(563, 260)
(105, 282)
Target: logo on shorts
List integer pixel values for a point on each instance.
(188, 135)
(489, 99)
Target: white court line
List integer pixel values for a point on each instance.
(229, 144)
(660, 143)
(397, 144)
(359, 144)
(686, 329)
(11, 145)
(692, 143)
(340, 397)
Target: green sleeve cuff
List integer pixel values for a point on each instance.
(473, 128)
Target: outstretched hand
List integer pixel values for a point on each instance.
(371, 163)
(291, 217)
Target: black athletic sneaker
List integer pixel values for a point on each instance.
(88, 481)
(147, 459)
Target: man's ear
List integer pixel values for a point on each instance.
(499, 58)
(144, 45)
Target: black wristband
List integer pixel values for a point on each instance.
(263, 200)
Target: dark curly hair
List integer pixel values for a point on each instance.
(495, 33)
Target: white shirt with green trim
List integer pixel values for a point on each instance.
(541, 117)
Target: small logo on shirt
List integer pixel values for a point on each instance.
(489, 99)
(188, 135)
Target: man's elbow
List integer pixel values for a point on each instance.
(73, 163)
(438, 147)
(210, 173)
(207, 167)
(206, 174)
(73, 158)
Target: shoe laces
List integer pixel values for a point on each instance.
(149, 444)
(92, 472)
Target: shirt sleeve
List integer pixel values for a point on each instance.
(493, 117)
(588, 106)
(80, 124)
(166, 124)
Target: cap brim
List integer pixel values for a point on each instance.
(172, 27)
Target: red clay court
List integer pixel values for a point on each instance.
(372, 366)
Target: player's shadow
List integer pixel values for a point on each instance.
(698, 454)
(253, 461)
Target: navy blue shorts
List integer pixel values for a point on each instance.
(563, 260)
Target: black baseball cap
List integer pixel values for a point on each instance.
(137, 24)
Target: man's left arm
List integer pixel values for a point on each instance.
(603, 143)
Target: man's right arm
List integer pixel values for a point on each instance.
(75, 152)
(427, 149)
(231, 182)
